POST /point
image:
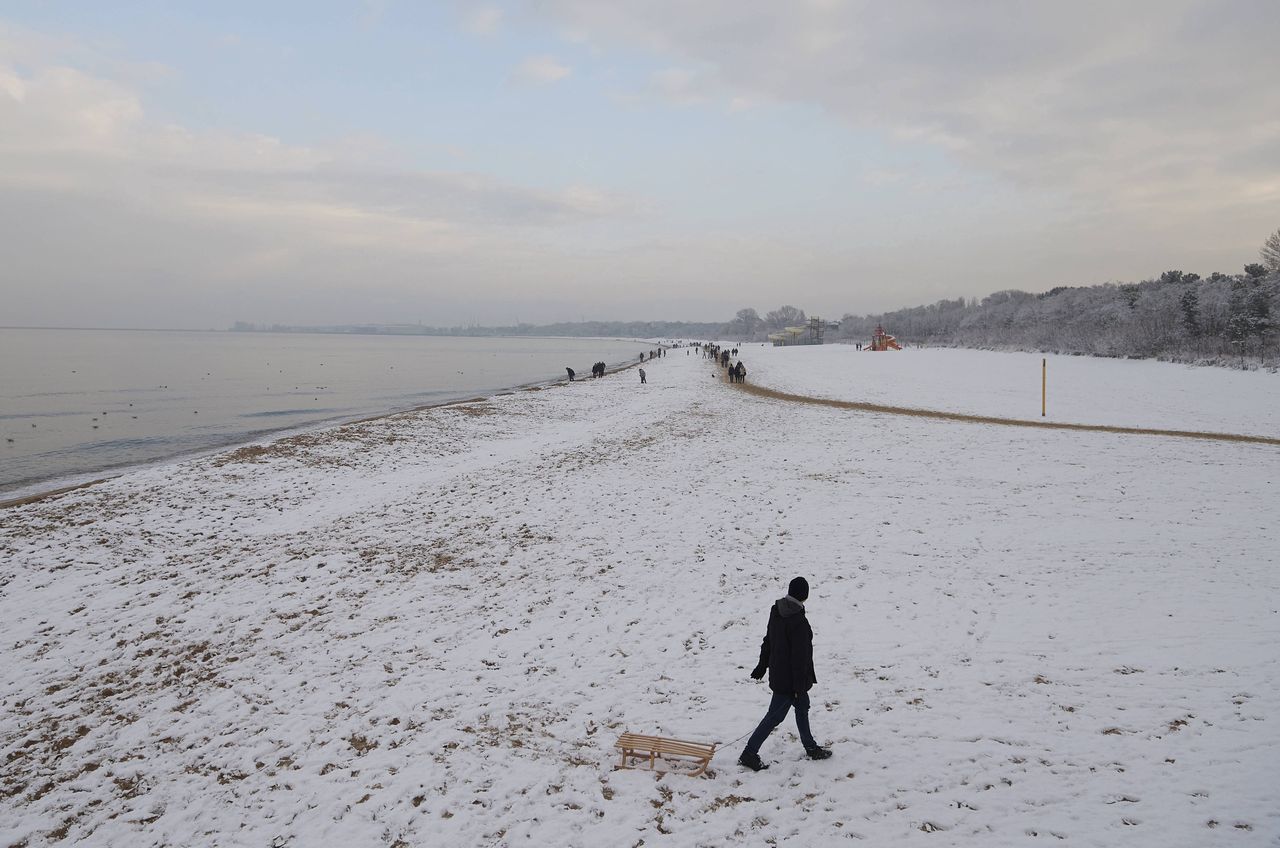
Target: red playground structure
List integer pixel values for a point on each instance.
(883, 341)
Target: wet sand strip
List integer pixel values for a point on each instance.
(53, 493)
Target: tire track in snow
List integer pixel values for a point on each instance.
(942, 415)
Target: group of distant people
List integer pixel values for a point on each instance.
(598, 370)
(724, 357)
(657, 353)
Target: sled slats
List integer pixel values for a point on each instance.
(652, 752)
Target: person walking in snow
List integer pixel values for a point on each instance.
(741, 372)
(571, 373)
(642, 376)
(787, 655)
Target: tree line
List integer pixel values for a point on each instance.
(1227, 319)
(1222, 318)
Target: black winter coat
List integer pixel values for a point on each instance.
(787, 649)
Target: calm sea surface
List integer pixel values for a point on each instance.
(78, 402)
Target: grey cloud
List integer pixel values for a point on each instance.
(75, 130)
(540, 70)
(1148, 126)
(1074, 95)
(109, 217)
(458, 198)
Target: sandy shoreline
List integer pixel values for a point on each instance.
(429, 628)
(29, 497)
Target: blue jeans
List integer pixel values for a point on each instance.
(777, 712)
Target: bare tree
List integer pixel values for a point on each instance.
(785, 316)
(747, 321)
(1270, 252)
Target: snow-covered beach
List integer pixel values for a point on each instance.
(428, 629)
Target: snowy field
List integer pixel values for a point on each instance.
(428, 630)
(1081, 389)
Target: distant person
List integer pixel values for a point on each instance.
(787, 655)
(642, 356)
(642, 376)
(741, 372)
(571, 373)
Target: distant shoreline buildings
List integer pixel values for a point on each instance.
(811, 333)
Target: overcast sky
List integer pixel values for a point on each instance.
(192, 164)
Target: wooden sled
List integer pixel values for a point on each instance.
(654, 752)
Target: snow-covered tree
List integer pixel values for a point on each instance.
(1270, 252)
(1178, 315)
(1189, 303)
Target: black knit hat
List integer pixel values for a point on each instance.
(799, 589)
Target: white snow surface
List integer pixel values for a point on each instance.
(429, 629)
(1080, 389)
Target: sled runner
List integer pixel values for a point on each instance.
(655, 752)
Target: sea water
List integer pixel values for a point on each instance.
(74, 403)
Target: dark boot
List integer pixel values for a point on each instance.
(818, 753)
(753, 761)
